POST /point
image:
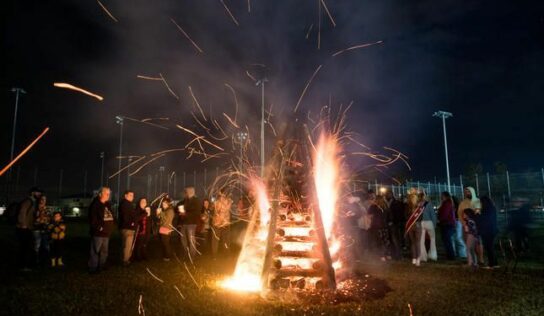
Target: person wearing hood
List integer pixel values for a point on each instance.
(471, 201)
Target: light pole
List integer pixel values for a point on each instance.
(102, 169)
(128, 172)
(261, 83)
(17, 92)
(119, 120)
(444, 115)
(242, 137)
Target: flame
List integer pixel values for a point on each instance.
(247, 274)
(326, 173)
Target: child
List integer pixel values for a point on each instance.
(57, 229)
(473, 238)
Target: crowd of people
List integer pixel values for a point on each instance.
(382, 226)
(385, 226)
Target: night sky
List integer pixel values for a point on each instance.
(481, 60)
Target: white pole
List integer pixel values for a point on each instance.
(477, 185)
(508, 184)
(444, 115)
(488, 185)
(120, 122)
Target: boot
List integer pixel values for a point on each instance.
(59, 262)
(53, 262)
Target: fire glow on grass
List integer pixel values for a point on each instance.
(247, 274)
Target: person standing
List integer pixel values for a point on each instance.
(413, 225)
(378, 228)
(166, 216)
(488, 230)
(473, 237)
(25, 222)
(127, 225)
(101, 223)
(447, 222)
(428, 224)
(458, 239)
(189, 217)
(471, 201)
(220, 222)
(41, 235)
(57, 231)
(364, 222)
(205, 220)
(396, 225)
(143, 217)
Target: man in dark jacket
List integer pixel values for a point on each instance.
(190, 212)
(127, 225)
(25, 223)
(102, 223)
(396, 222)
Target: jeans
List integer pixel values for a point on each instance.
(459, 243)
(220, 235)
(472, 243)
(447, 238)
(25, 256)
(188, 239)
(99, 252)
(427, 227)
(396, 232)
(415, 240)
(127, 239)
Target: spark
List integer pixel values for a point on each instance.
(355, 47)
(187, 36)
(410, 309)
(72, 87)
(328, 12)
(168, 87)
(198, 136)
(179, 292)
(167, 151)
(6, 168)
(230, 13)
(250, 76)
(145, 164)
(306, 87)
(146, 123)
(235, 100)
(197, 104)
(154, 276)
(141, 310)
(230, 120)
(107, 11)
(158, 198)
(155, 118)
(319, 25)
(192, 278)
(309, 30)
(126, 167)
(248, 6)
(148, 77)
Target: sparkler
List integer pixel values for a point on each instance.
(355, 47)
(107, 11)
(145, 164)
(197, 104)
(230, 13)
(187, 36)
(6, 168)
(306, 87)
(168, 87)
(328, 12)
(179, 292)
(154, 276)
(72, 87)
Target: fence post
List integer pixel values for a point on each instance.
(461, 182)
(477, 185)
(175, 184)
(149, 181)
(508, 184)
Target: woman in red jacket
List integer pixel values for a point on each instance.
(446, 218)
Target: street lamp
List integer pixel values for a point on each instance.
(17, 92)
(242, 137)
(261, 83)
(444, 115)
(119, 120)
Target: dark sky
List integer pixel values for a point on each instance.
(481, 60)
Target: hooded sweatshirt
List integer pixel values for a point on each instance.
(473, 203)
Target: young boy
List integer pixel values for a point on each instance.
(57, 229)
(473, 237)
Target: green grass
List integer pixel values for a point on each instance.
(433, 289)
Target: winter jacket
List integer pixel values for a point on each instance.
(446, 213)
(57, 230)
(143, 222)
(127, 215)
(429, 214)
(42, 219)
(397, 210)
(165, 218)
(193, 209)
(473, 203)
(378, 217)
(26, 213)
(101, 218)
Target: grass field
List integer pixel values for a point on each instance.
(433, 289)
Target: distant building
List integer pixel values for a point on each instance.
(75, 205)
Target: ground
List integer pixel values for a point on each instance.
(432, 289)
